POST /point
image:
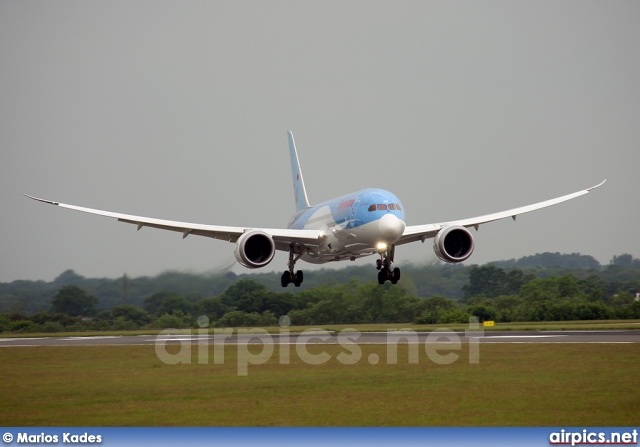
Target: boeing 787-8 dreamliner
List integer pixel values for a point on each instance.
(363, 223)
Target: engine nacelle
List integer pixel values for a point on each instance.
(453, 244)
(255, 249)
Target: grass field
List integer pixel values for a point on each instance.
(513, 385)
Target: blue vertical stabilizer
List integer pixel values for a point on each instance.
(299, 192)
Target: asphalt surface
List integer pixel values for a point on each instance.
(321, 337)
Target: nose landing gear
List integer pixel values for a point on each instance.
(384, 265)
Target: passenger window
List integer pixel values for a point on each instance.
(382, 206)
(372, 208)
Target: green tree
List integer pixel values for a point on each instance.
(483, 312)
(211, 307)
(238, 318)
(491, 281)
(453, 316)
(484, 281)
(622, 300)
(131, 313)
(174, 303)
(595, 287)
(177, 320)
(434, 308)
(507, 307)
(624, 260)
(68, 278)
(553, 288)
(74, 301)
(63, 319)
(153, 302)
(245, 293)
(386, 304)
(278, 303)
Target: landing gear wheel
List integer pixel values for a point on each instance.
(396, 276)
(382, 276)
(298, 278)
(285, 279)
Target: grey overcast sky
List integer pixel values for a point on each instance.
(179, 110)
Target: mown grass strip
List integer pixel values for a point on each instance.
(513, 385)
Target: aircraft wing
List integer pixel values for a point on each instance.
(422, 232)
(282, 237)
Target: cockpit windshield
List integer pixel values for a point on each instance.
(384, 206)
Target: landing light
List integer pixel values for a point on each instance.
(381, 246)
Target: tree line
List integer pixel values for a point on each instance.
(496, 291)
(423, 280)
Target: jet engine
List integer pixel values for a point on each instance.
(453, 244)
(255, 249)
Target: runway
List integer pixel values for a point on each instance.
(326, 337)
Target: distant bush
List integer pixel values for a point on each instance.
(176, 320)
(51, 326)
(23, 326)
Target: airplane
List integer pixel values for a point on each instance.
(364, 223)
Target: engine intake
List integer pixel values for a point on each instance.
(453, 244)
(255, 249)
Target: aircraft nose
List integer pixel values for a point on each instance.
(390, 228)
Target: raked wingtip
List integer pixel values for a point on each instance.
(598, 185)
(41, 200)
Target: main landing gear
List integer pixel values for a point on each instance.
(289, 276)
(384, 265)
